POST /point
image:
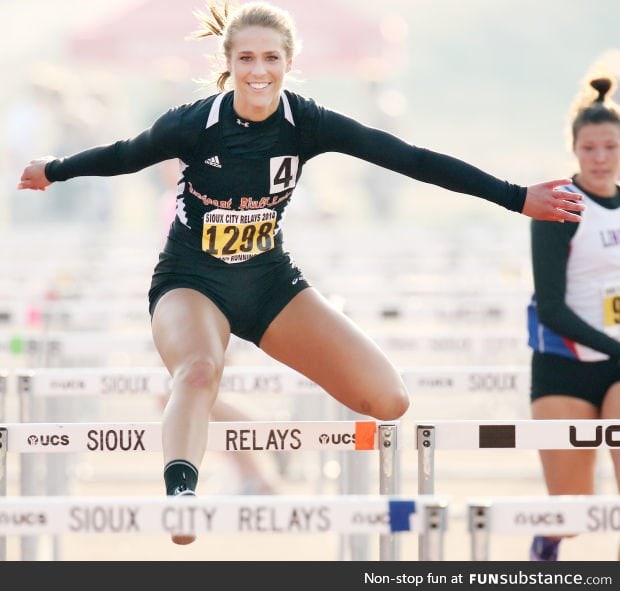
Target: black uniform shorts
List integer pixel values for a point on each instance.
(249, 294)
(588, 380)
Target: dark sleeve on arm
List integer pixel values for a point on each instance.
(337, 133)
(550, 243)
(164, 140)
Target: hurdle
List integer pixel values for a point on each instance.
(25, 438)
(508, 434)
(276, 380)
(39, 383)
(123, 381)
(356, 514)
(223, 436)
(549, 516)
(243, 379)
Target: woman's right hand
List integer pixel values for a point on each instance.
(33, 176)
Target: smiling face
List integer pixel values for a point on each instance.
(258, 63)
(597, 147)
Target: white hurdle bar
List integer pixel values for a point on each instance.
(509, 434)
(241, 379)
(355, 514)
(25, 438)
(554, 515)
(223, 436)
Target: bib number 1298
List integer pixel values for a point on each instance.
(234, 237)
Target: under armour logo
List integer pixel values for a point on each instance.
(244, 123)
(213, 161)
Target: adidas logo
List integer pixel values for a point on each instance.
(213, 161)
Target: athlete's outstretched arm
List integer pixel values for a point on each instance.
(169, 137)
(336, 132)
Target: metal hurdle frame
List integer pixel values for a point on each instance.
(25, 438)
(549, 515)
(3, 449)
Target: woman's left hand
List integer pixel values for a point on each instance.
(543, 202)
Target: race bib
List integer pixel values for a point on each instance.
(237, 236)
(611, 310)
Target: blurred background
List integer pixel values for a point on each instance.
(439, 279)
(483, 80)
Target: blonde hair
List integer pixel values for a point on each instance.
(225, 22)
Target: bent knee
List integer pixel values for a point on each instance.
(198, 374)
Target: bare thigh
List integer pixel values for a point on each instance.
(312, 337)
(567, 471)
(186, 325)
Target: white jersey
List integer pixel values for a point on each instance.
(593, 272)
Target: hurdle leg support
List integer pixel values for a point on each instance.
(431, 542)
(4, 441)
(478, 523)
(425, 444)
(389, 483)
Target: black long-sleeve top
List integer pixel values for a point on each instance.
(230, 164)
